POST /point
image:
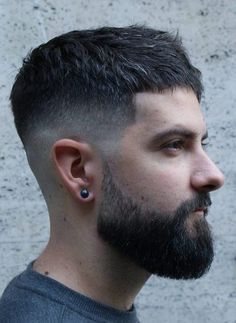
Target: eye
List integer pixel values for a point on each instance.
(174, 145)
(205, 144)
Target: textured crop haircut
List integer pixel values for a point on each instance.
(82, 83)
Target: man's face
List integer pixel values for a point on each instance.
(156, 191)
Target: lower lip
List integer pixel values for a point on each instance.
(200, 212)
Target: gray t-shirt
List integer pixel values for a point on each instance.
(34, 298)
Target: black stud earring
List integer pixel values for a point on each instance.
(84, 193)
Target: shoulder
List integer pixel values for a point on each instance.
(23, 304)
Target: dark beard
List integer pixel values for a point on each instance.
(158, 242)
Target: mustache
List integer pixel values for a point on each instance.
(200, 201)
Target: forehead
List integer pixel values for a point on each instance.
(161, 111)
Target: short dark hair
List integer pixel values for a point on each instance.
(96, 73)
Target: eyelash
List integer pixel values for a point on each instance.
(205, 144)
(170, 145)
(180, 144)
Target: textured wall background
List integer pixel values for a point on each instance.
(208, 28)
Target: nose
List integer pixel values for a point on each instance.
(206, 175)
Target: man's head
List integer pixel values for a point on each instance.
(116, 111)
(83, 79)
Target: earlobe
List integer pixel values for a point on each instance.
(72, 161)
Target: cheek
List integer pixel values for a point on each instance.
(160, 185)
(167, 191)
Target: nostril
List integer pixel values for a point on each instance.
(206, 184)
(212, 187)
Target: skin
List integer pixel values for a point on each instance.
(166, 170)
(171, 162)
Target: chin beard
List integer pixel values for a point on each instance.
(160, 243)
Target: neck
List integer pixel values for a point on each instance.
(91, 267)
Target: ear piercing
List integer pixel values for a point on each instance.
(84, 193)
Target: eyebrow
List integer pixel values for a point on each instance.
(183, 132)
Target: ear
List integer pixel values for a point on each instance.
(76, 166)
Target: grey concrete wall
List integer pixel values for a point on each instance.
(208, 28)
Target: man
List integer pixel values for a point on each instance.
(112, 128)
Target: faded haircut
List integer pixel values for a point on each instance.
(82, 83)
